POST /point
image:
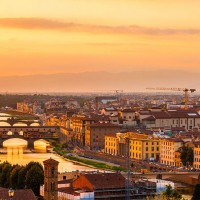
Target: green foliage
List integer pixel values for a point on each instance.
(4, 179)
(187, 155)
(35, 178)
(98, 165)
(21, 177)
(32, 164)
(17, 177)
(196, 194)
(13, 179)
(171, 194)
(132, 165)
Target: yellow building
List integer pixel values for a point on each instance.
(78, 125)
(168, 147)
(196, 163)
(142, 147)
(112, 143)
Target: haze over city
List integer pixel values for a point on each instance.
(58, 36)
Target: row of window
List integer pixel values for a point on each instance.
(196, 159)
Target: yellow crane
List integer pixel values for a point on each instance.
(185, 90)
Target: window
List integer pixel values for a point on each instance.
(52, 171)
(146, 148)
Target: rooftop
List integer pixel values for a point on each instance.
(25, 194)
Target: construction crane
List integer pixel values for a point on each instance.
(185, 90)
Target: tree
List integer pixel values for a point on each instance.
(171, 194)
(13, 178)
(187, 155)
(31, 164)
(196, 194)
(21, 177)
(35, 178)
(4, 179)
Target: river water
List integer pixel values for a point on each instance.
(15, 154)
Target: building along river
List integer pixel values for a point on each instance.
(15, 149)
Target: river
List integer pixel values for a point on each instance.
(15, 155)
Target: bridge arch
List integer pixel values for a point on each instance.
(35, 124)
(4, 123)
(15, 142)
(20, 124)
(41, 145)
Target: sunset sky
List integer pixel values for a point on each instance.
(59, 36)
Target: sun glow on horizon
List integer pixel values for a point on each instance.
(76, 36)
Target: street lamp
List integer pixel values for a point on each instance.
(11, 193)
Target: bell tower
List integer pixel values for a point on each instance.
(50, 179)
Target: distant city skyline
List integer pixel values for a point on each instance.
(67, 36)
(93, 81)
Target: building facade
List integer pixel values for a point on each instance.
(168, 147)
(95, 134)
(196, 163)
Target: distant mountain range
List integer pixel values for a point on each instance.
(91, 81)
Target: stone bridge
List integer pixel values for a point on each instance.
(17, 120)
(28, 133)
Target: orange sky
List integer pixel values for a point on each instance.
(53, 36)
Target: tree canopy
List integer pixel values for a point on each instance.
(196, 194)
(187, 155)
(171, 194)
(30, 176)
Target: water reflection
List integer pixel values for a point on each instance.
(14, 154)
(40, 146)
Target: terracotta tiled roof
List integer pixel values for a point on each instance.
(106, 180)
(174, 114)
(51, 161)
(111, 135)
(161, 115)
(25, 194)
(128, 110)
(103, 125)
(150, 118)
(174, 140)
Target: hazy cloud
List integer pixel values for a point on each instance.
(48, 24)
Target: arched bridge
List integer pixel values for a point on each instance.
(30, 134)
(18, 120)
